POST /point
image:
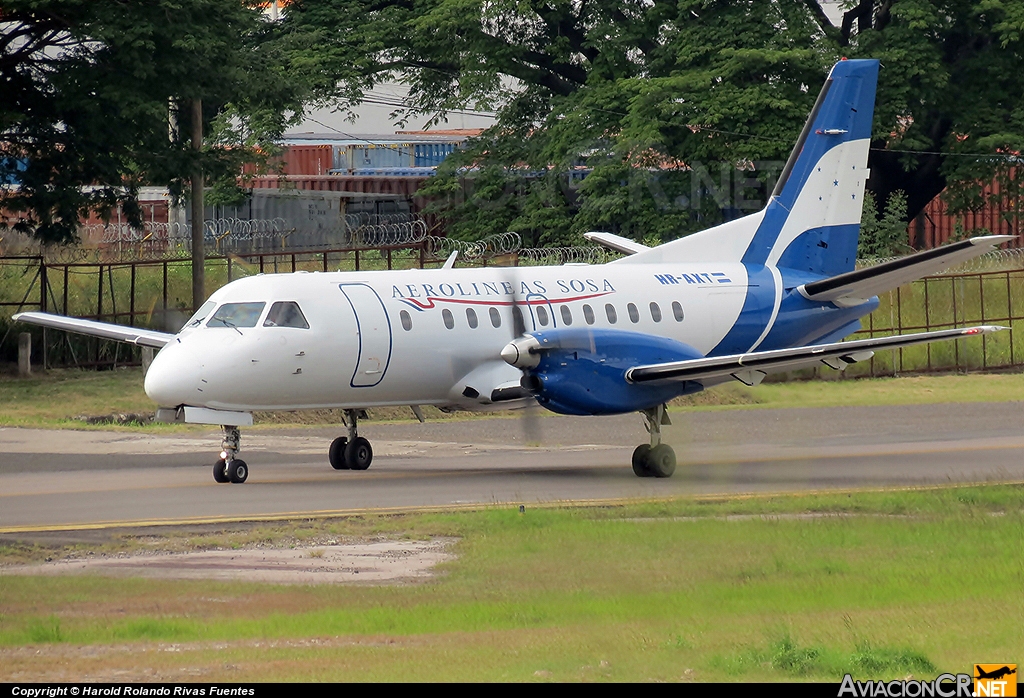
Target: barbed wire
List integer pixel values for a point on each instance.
(554, 256)
(173, 241)
(500, 244)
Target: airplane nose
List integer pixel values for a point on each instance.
(172, 377)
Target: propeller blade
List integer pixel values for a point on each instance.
(529, 417)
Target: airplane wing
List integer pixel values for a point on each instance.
(855, 287)
(746, 367)
(106, 330)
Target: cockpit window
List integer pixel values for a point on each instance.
(286, 314)
(237, 315)
(200, 315)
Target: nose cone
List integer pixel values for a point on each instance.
(522, 352)
(172, 377)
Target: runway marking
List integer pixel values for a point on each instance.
(475, 506)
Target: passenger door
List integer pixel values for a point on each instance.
(373, 328)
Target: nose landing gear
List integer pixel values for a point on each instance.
(228, 468)
(351, 452)
(656, 459)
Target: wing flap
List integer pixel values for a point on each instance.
(855, 287)
(745, 366)
(106, 330)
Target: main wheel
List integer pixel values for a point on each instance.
(219, 473)
(337, 453)
(358, 454)
(661, 461)
(640, 461)
(238, 471)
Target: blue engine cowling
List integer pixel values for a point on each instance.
(583, 371)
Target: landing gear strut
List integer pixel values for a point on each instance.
(228, 468)
(351, 452)
(656, 459)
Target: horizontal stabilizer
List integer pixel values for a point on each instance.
(616, 242)
(855, 287)
(106, 330)
(743, 366)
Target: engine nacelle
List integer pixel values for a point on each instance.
(583, 371)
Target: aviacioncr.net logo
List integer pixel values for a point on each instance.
(944, 686)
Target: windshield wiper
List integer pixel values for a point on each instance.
(232, 325)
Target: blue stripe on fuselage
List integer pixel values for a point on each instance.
(799, 321)
(755, 315)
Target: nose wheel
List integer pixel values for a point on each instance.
(655, 459)
(228, 468)
(351, 452)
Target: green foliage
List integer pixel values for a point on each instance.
(90, 87)
(885, 235)
(786, 656)
(44, 630)
(872, 661)
(646, 96)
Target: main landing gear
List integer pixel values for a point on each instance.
(351, 452)
(228, 468)
(656, 459)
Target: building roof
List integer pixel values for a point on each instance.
(312, 138)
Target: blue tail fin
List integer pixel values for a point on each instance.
(812, 220)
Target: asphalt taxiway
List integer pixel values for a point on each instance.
(65, 479)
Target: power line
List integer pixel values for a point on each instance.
(1003, 156)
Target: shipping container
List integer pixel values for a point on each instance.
(375, 188)
(431, 154)
(306, 160)
(936, 225)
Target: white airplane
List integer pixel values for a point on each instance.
(774, 291)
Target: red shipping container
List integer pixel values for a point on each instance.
(305, 160)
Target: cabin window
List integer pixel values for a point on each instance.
(517, 320)
(471, 318)
(200, 315)
(677, 311)
(609, 310)
(495, 317)
(237, 315)
(406, 320)
(286, 314)
(566, 315)
(588, 314)
(634, 314)
(655, 312)
(542, 315)
(449, 320)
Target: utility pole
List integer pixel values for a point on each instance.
(198, 251)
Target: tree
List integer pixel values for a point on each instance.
(90, 87)
(653, 97)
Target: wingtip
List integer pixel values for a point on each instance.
(984, 329)
(992, 239)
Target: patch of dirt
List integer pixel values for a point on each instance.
(374, 562)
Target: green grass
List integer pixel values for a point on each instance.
(879, 584)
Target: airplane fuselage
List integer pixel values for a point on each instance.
(434, 337)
